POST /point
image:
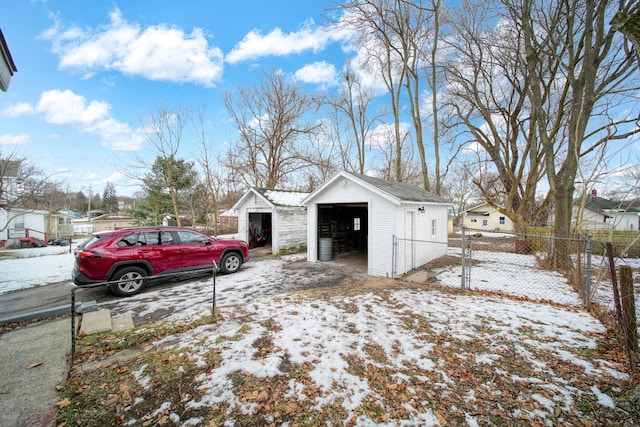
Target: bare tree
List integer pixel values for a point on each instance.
(25, 187)
(269, 118)
(403, 41)
(460, 189)
(576, 69)
(353, 105)
(488, 95)
(213, 176)
(368, 19)
(164, 129)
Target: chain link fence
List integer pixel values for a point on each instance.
(538, 267)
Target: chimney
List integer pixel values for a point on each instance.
(594, 192)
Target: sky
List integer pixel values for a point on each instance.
(545, 352)
(88, 75)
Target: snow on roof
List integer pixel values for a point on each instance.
(283, 197)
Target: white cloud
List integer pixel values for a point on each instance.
(18, 109)
(64, 107)
(161, 52)
(14, 139)
(277, 43)
(321, 73)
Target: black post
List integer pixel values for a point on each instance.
(73, 323)
(213, 313)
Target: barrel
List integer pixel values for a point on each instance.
(325, 248)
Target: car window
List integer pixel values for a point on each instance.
(188, 237)
(130, 240)
(166, 238)
(150, 238)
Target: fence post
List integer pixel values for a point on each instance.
(464, 264)
(587, 297)
(73, 323)
(394, 257)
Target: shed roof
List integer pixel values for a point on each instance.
(397, 191)
(275, 198)
(283, 197)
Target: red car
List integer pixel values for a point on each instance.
(126, 257)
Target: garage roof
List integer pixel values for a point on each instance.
(275, 198)
(396, 191)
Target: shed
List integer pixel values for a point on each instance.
(274, 218)
(376, 217)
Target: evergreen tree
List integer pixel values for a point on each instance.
(109, 199)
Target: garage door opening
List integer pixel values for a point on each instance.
(343, 232)
(259, 230)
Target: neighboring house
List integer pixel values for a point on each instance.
(60, 224)
(274, 218)
(359, 213)
(486, 217)
(11, 177)
(228, 221)
(21, 224)
(101, 223)
(604, 214)
(170, 220)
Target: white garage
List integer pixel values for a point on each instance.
(372, 216)
(272, 218)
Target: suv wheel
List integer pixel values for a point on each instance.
(231, 262)
(129, 281)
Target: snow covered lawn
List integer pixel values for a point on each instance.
(380, 353)
(288, 350)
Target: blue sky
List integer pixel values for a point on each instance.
(89, 72)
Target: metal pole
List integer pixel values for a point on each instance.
(464, 244)
(73, 323)
(587, 299)
(394, 256)
(213, 313)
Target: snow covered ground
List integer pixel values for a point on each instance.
(30, 267)
(389, 355)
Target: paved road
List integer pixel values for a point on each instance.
(33, 300)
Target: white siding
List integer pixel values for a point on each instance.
(289, 228)
(426, 246)
(382, 216)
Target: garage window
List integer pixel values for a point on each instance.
(356, 224)
(433, 228)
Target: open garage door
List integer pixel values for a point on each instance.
(343, 230)
(260, 227)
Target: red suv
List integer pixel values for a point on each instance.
(127, 256)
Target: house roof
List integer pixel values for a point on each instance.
(113, 217)
(275, 198)
(395, 191)
(7, 66)
(601, 204)
(10, 168)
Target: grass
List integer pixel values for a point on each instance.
(157, 386)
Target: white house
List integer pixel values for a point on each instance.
(486, 217)
(599, 213)
(22, 223)
(274, 218)
(352, 212)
